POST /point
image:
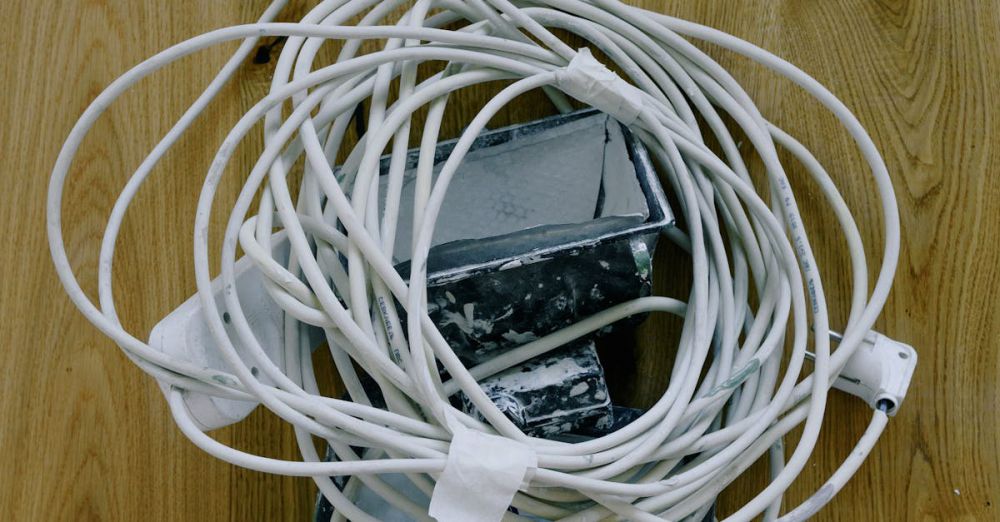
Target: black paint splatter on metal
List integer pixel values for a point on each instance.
(487, 312)
(555, 393)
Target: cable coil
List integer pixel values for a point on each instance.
(730, 398)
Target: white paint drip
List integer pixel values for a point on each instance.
(579, 389)
(520, 338)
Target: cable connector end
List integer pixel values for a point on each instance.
(879, 372)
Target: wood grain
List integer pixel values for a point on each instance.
(85, 435)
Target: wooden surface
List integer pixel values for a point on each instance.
(85, 435)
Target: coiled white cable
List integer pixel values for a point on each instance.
(740, 242)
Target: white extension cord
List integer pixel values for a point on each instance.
(730, 398)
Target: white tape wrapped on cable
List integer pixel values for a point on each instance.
(480, 477)
(591, 82)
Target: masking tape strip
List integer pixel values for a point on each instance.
(481, 476)
(590, 82)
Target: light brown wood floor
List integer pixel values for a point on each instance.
(85, 435)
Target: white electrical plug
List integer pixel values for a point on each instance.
(184, 334)
(879, 372)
